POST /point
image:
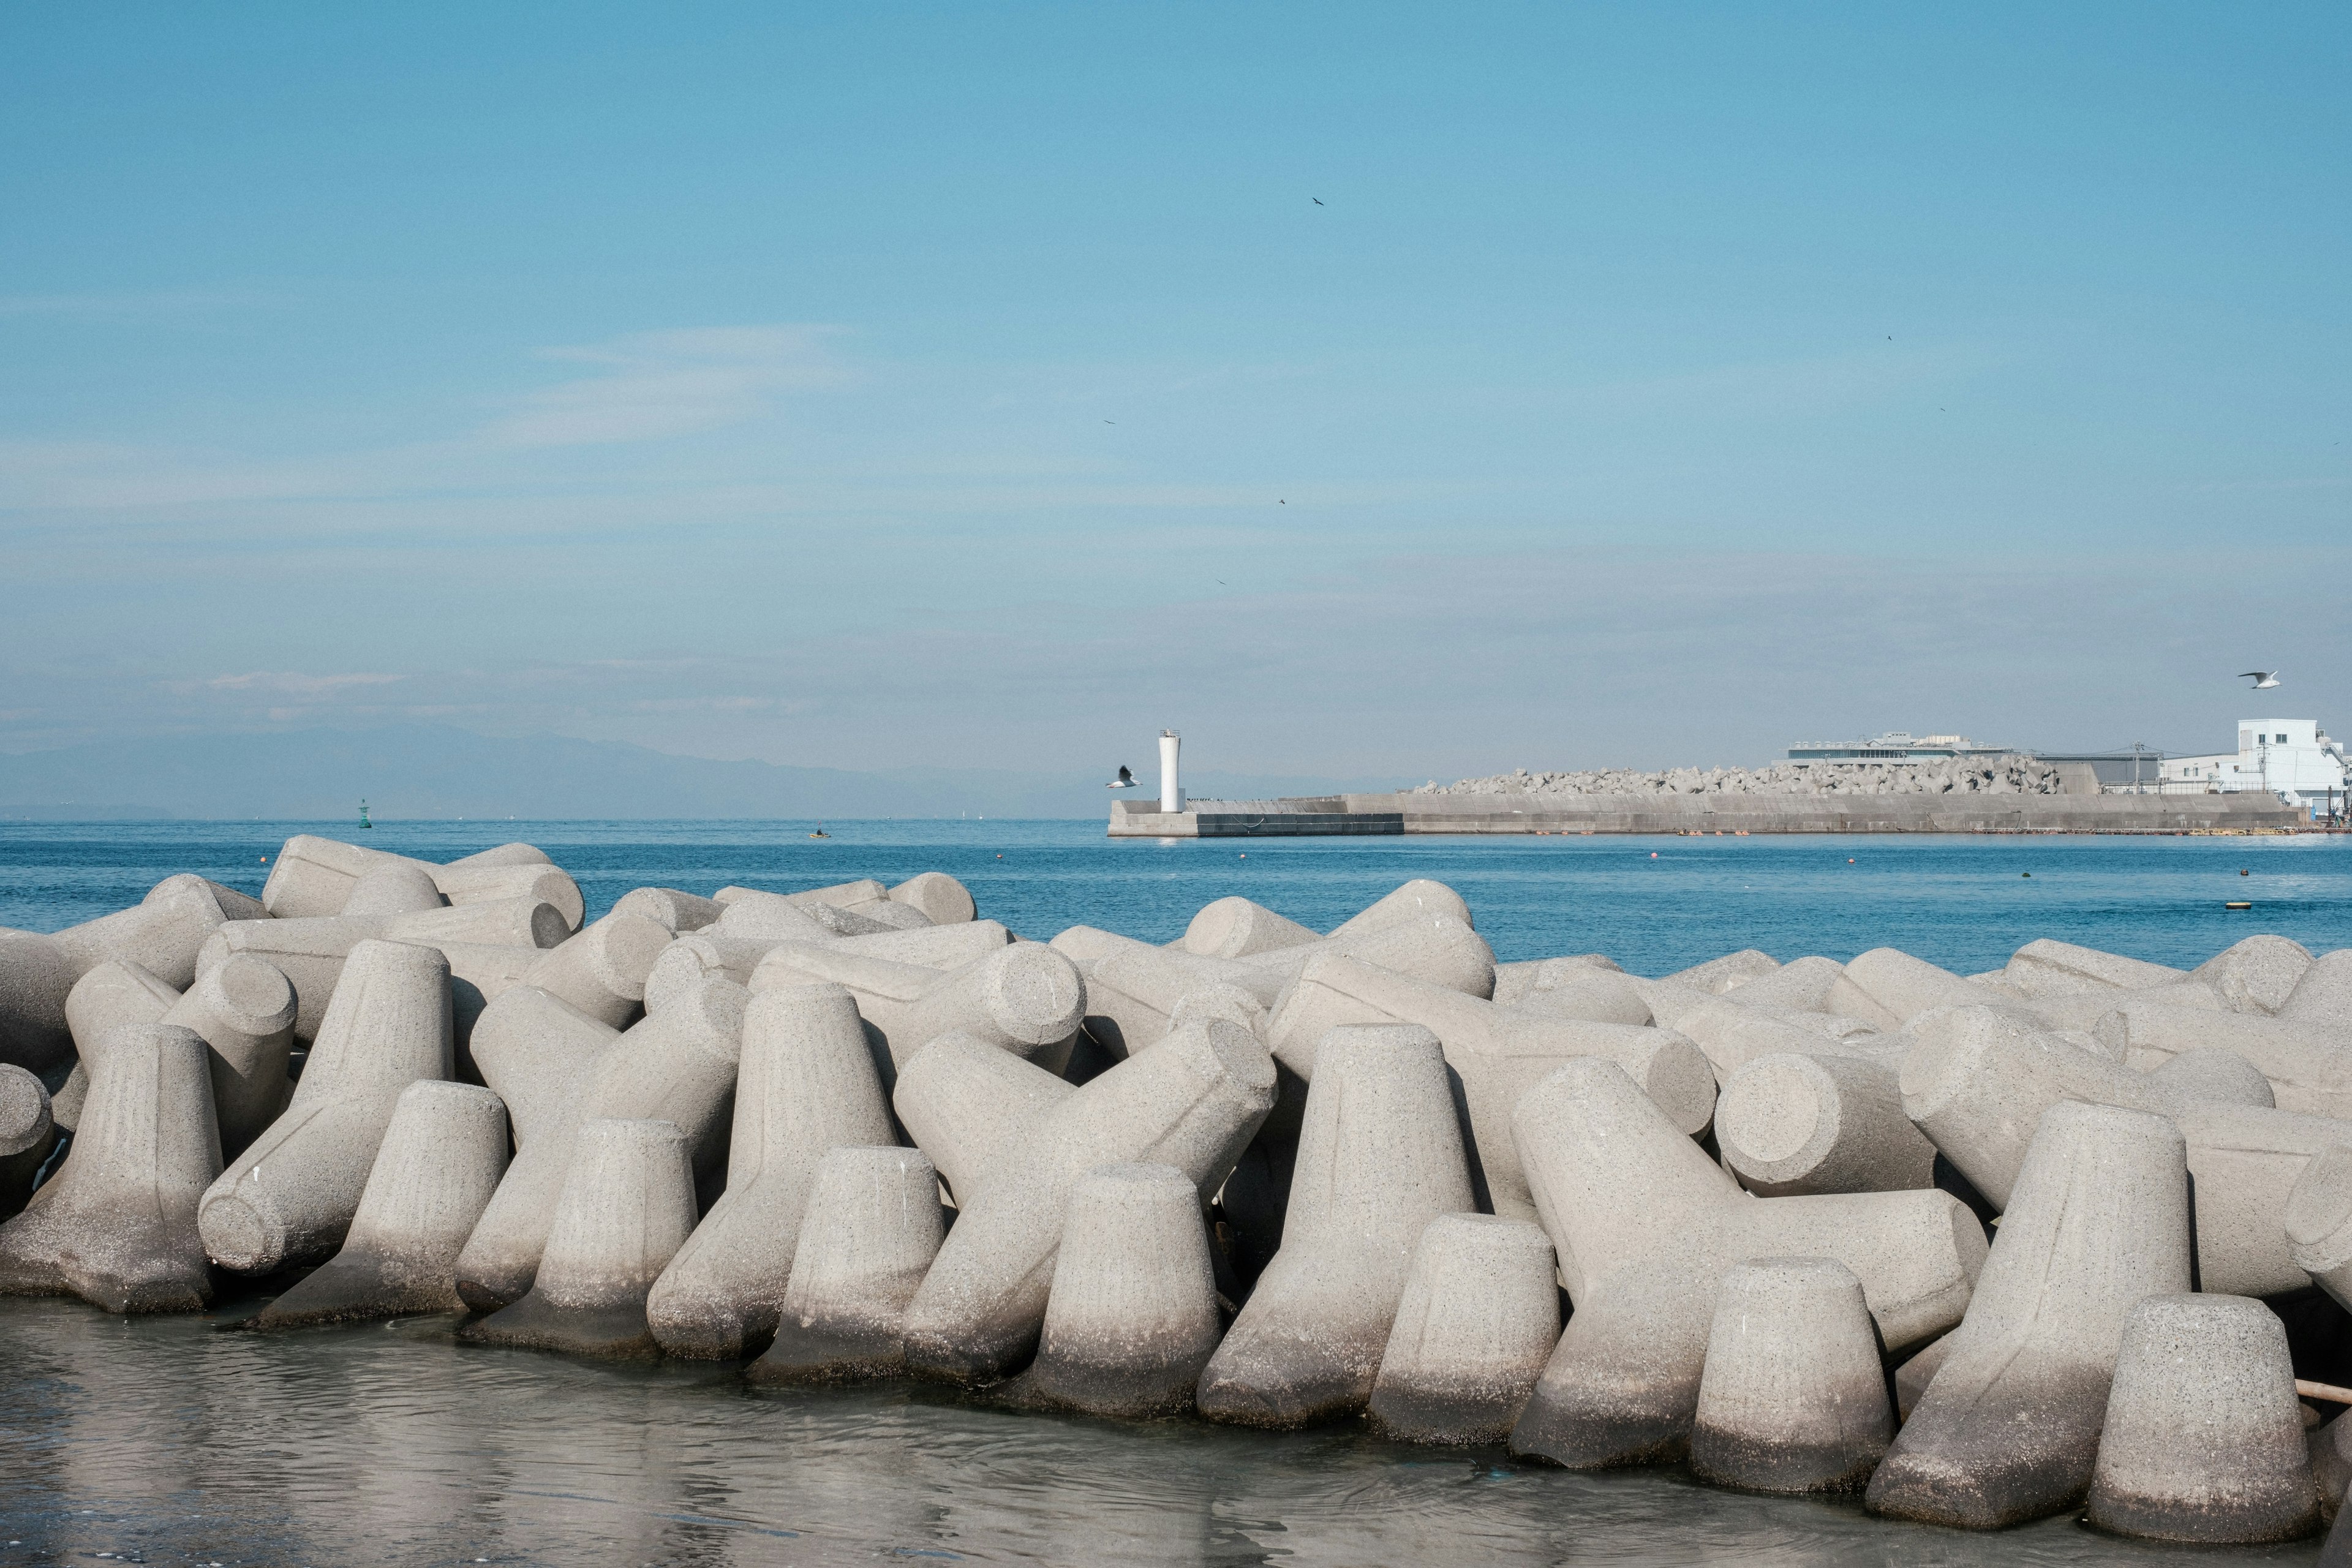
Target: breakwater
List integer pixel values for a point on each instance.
(1412, 812)
(1060, 1118)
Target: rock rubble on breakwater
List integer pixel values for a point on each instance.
(2007, 774)
(1982, 1248)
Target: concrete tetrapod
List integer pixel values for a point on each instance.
(539, 1053)
(440, 1163)
(1729, 973)
(805, 1084)
(1380, 1156)
(2319, 1221)
(601, 970)
(1026, 999)
(1498, 1053)
(963, 1101)
(244, 1011)
(1793, 1398)
(1479, 1318)
(27, 1135)
(677, 913)
(1436, 949)
(1820, 1123)
(36, 973)
(1646, 1227)
(1132, 993)
(678, 1066)
(1418, 899)
(1192, 1101)
(1235, 928)
(627, 1206)
(2203, 1436)
(1132, 1315)
(1976, 1081)
(117, 1224)
(2309, 1069)
(2256, 975)
(290, 1196)
(873, 1224)
(2007, 1429)
(942, 899)
(941, 948)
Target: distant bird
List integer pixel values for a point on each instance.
(1282, 504)
(2263, 680)
(1316, 200)
(1110, 421)
(1124, 781)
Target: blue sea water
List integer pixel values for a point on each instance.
(167, 1440)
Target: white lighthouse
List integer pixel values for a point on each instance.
(1172, 787)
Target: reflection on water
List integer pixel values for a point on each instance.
(167, 1440)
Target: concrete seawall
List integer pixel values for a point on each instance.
(1382, 815)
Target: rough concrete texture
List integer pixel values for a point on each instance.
(601, 970)
(1026, 999)
(1597, 995)
(1918, 1371)
(1905, 986)
(2309, 1067)
(1380, 1156)
(539, 1053)
(2256, 975)
(440, 1161)
(116, 1225)
(677, 913)
(2047, 968)
(689, 960)
(1729, 973)
(1132, 1313)
(805, 1084)
(1818, 1123)
(1192, 1101)
(1793, 1398)
(964, 1100)
(2008, 1430)
(943, 948)
(872, 1226)
(1646, 1225)
(939, 897)
(1132, 993)
(386, 891)
(523, 885)
(2203, 1437)
(752, 915)
(1235, 927)
(1977, 1080)
(289, 1199)
(2321, 999)
(478, 973)
(1514, 982)
(1497, 1053)
(1731, 1035)
(28, 1134)
(1479, 1318)
(310, 950)
(627, 1205)
(162, 933)
(244, 1010)
(1434, 948)
(2318, 1222)
(114, 991)
(496, 923)
(36, 974)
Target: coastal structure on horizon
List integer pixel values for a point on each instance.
(2285, 772)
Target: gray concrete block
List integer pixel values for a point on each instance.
(390, 888)
(308, 951)
(1816, 1123)
(1132, 1314)
(2047, 968)
(1132, 994)
(2256, 975)
(441, 1159)
(1729, 973)
(2309, 1067)
(805, 1084)
(28, 1135)
(1026, 999)
(492, 923)
(1793, 1398)
(677, 913)
(869, 1234)
(161, 934)
(2203, 1436)
(1799, 986)
(601, 970)
(1646, 1225)
(2318, 1222)
(627, 1205)
(1479, 1318)
(1380, 1156)
(36, 974)
(289, 1199)
(1192, 1101)
(1596, 995)
(539, 1053)
(1419, 900)
(2008, 1430)
(1436, 949)
(964, 1100)
(1514, 982)
(942, 899)
(771, 917)
(2322, 998)
(116, 1225)
(540, 884)
(243, 1009)
(1902, 987)
(1235, 928)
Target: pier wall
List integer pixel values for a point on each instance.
(1379, 814)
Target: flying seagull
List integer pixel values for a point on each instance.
(2263, 680)
(1316, 200)
(1124, 781)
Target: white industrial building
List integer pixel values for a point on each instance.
(2292, 758)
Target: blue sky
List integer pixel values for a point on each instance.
(868, 386)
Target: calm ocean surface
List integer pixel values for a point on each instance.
(168, 1440)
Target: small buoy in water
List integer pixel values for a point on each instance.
(1653, 854)
(2238, 904)
(1849, 859)
(2244, 872)
(2025, 873)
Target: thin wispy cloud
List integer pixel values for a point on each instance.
(295, 684)
(652, 385)
(149, 302)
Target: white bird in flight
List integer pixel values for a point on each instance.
(1124, 781)
(2263, 680)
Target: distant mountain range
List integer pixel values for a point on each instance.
(435, 772)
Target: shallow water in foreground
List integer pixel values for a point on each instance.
(167, 1440)
(164, 1440)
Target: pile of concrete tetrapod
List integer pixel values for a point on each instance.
(1985, 1249)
